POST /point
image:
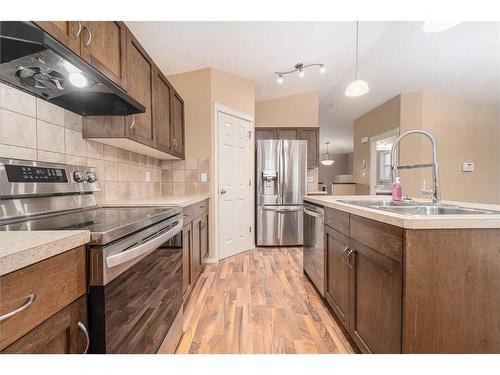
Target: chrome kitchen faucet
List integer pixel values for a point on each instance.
(436, 191)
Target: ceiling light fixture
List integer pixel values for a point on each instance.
(327, 161)
(357, 87)
(434, 27)
(299, 67)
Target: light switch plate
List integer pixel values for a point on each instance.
(364, 139)
(468, 166)
(148, 176)
(203, 177)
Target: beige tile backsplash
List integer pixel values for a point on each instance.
(33, 129)
(180, 177)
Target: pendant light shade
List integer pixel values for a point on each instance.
(327, 161)
(357, 87)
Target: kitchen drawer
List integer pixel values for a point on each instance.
(338, 220)
(193, 211)
(51, 285)
(384, 238)
(64, 333)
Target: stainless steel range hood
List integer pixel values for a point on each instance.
(33, 61)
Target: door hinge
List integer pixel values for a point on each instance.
(250, 229)
(249, 134)
(249, 182)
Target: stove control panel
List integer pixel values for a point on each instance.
(22, 173)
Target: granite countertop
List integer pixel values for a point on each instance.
(23, 248)
(159, 200)
(414, 221)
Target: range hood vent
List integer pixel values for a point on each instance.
(33, 61)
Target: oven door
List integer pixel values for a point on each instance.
(136, 292)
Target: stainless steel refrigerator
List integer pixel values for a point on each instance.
(281, 182)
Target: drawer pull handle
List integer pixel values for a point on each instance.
(28, 303)
(349, 258)
(89, 33)
(86, 333)
(343, 254)
(77, 34)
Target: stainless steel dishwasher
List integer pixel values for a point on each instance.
(314, 246)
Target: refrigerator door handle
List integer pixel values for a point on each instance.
(282, 209)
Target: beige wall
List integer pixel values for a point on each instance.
(196, 89)
(379, 120)
(299, 110)
(327, 172)
(464, 131)
(233, 91)
(201, 89)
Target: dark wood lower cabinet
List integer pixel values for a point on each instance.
(196, 248)
(60, 334)
(375, 300)
(337, 283)
(364, 286)
(194, 243)
(187, 244)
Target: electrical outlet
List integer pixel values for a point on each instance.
(310, 179)
(468, 166)
(148, 176)
(203, 177)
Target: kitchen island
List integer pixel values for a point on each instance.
(402, 283)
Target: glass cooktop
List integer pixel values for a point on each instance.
(99, 221)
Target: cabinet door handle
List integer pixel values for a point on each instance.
(351, 265)
(77, 34)
(89, 32)
(343, 255)
(82, 328)
(133, 122)
(28, 303)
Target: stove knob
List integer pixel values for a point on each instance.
(78, 176)
(91, 177)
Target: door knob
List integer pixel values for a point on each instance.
(223, 191)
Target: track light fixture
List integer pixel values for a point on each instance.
(298, 68)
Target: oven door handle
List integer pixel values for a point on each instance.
(139, 250)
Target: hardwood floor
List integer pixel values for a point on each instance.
(259, 302)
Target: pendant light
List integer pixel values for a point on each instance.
(327, 161)
(357, 87)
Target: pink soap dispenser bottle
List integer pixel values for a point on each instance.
(397, 190)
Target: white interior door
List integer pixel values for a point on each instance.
(235, 196)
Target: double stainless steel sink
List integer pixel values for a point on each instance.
(415, 208)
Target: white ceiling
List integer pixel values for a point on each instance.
(395, 57)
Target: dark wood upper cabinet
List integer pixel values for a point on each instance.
(163, 112)
(263, 134)
(103, 45)
(288, 133)
(140, 70)
(375, 301)
(65, 32)
(337, 278)
(177, 125)
(311, 135)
